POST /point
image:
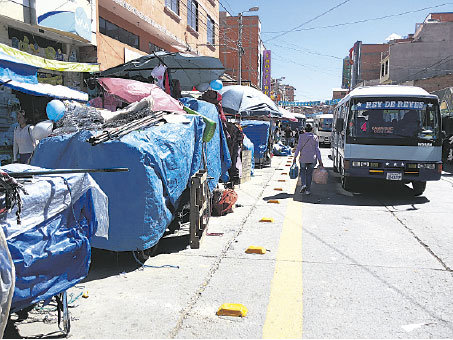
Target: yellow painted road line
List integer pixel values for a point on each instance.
(284, 311)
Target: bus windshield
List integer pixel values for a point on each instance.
(377, 118)
(325, 124)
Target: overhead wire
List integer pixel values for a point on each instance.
(308, 21)
(363, 20)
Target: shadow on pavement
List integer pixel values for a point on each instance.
(105, 263)
(364, 193)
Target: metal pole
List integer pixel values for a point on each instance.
(240, 48)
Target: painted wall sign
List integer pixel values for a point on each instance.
(267, 72)
(66, 16)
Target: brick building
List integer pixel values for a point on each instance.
(365, 62)
(424, 57)
(132, 28)
(251, 44)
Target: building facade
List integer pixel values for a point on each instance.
(132, 28)
(252, 48)
(57, 30)
(428, 55)
(365, 60)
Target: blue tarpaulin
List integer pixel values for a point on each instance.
(217, 153)
(20, 76)
(51, 249)
(161, 161)
(258, 133)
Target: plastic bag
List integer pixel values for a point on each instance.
(320, 175)
(294, 171)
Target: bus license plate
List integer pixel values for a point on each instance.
(394, 176)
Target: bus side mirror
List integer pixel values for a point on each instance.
(339, 125)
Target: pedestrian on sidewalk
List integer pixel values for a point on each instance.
(308, 151)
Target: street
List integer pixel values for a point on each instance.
(373, 263)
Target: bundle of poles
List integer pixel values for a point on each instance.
(122, 130)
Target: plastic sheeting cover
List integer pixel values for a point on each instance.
(258, 133)
(52, 255)
(7, 275)
(217, 153)
(161, 161)
(49, 196)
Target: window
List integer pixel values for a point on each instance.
(118, 33)
(173, 5)
(154, 48)
(192, 14)
(211, 31)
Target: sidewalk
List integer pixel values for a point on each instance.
(180, 301)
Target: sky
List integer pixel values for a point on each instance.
(310, 58)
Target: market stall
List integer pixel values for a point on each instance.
(48, 222)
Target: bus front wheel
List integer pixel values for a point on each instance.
(346, 182)
(418, 187)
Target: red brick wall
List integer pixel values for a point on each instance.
(228, 53)
(443, 17)
(370, 65)
(435, 83)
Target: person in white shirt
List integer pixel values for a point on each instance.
(24, 144)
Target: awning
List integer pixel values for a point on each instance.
(13, 69)
(47, 90)
(20, 75)
(48, 64)
(190, 70)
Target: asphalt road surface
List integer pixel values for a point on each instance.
(373, 263)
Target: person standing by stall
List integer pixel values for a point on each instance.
(308, 148)
(24, 144)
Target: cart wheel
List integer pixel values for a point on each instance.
(62, 308)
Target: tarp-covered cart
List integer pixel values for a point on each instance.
(258, 131)
(161, 159)
(48, 233)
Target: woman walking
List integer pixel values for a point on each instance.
(308, 149)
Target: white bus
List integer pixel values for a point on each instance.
(322, 127)
(389, 132)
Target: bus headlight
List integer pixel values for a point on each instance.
(366, 164)
(355, 163)
(412, 166)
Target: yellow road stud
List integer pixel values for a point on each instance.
(232, 309)
(267, 219)
(282, 180)
(278, 189)
(85, 294)
(273, 201)
(284, 173)
(255, 250)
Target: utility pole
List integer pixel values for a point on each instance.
(240, 49)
